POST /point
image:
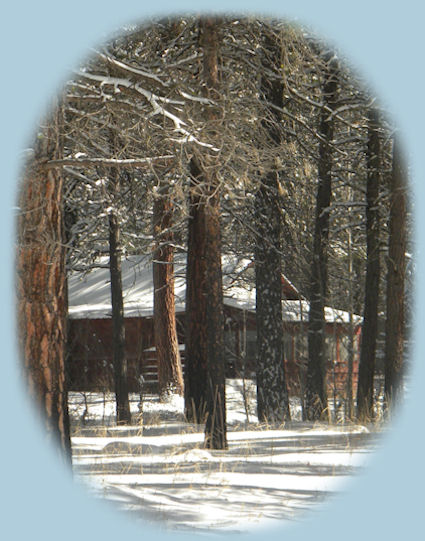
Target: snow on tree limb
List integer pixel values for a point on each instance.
(156, 103)
(106, 162)
(123, 66)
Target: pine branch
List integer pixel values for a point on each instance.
(106, 162)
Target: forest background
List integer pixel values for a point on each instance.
(402, 58)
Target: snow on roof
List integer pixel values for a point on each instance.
(90, 293)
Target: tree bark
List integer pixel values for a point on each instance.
(370, 315)
(41, 286)
(123, 415)
(118, 325)
(196, 361)
(215, 399)
(316, 402)
(215, 425)
(205, 365)
(395, 322)
(349, 405)
(170, 375)
(272, 393)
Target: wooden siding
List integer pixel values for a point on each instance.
(89, 359)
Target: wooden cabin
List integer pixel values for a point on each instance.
(90, 327)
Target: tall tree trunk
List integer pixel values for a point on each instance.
(205, 366)
(316, 402)
(272, 393)
(170, 375)
(41, 285)
(118, 325)
(215, 426)
(196, 357)
(123, 414)
(215, 399)
(349, 406)
(395, 324)
(370, 316)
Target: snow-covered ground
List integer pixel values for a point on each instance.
(158, 469)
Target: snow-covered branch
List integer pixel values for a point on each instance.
(107, 162)
(127, 68)
(156, 103)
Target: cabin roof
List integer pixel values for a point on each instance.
(89, 293)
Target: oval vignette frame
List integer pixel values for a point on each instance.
(383, 40)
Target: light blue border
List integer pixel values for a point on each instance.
(40, 42)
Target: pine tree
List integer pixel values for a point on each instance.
(272, 394)
(316, 392)
(196, 361)
(41, 284)
(170, 375)
(370, 317)
(215, 425)
(396, 265)
(123, 414)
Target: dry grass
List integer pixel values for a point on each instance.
(161, 465)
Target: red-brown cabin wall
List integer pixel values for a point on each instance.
(90, 353)
(89, 358)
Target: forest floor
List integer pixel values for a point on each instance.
(158, 470)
